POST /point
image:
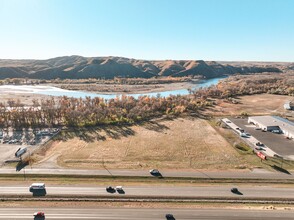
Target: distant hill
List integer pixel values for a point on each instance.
(78, 67)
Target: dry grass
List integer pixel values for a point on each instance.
(253, 105)
(170, 144)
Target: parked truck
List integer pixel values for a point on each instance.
(20, 152)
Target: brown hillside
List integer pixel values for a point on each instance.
(78, 67)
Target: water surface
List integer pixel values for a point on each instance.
(54, 91)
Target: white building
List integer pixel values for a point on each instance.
(270, 123)
(288, 106)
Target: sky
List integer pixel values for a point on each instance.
(224, 30)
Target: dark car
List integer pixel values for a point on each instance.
(154, 172)
(234, 190)
(110, 189)
(259, 144)
(169, 217)
(39, 215)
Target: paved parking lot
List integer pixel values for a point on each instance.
(277, 142)
(11, 140)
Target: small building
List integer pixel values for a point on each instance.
(273, 123)
(288, 106)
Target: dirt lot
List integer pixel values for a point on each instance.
(264, 104)
(171, 144)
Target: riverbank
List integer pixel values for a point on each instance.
(125, 88)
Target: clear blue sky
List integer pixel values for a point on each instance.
(260, 30)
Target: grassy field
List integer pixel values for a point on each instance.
(253, 105)
(183, 143)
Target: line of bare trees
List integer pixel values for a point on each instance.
(250, 85)
(96, 111)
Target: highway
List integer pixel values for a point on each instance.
(145, 214)
(255, 174)
(160, 191)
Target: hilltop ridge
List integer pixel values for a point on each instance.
(78, 67)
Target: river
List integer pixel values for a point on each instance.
(54, 91)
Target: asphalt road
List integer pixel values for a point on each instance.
(255, 174)
(177, 191)
(145, 214)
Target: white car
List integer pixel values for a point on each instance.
(119, 188)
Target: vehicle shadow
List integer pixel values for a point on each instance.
(20, 165)
(280, 169)
(38, 192)
(158, 175)
(120, 191)
(238, 193)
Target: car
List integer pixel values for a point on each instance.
(119, 188)
(234, 190)
(259, 144)
(39, 215)
(258, 148)
(110, 189)
(169, 217)
(243, 135)
(154, 172)
(228, 122)
(37, 186)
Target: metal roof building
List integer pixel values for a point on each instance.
(270, 123)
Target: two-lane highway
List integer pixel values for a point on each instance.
(255, 174)
(161, 191)
(145, 214)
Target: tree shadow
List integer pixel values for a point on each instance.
(155, 126)
(118, 131)
(280, 169)
(91, 134)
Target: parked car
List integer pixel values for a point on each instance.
(243, 135)
(259, 148)
(259, 144)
